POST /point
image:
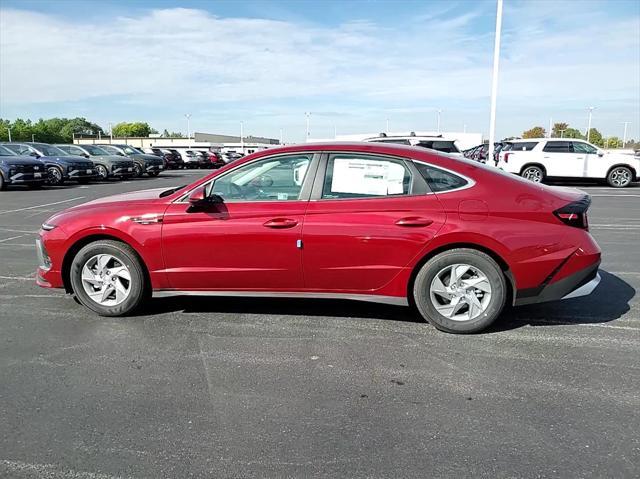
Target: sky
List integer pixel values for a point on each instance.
(352, 64)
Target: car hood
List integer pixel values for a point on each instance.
(19, 160)
(112, 158)
(147, 157)
(67, 158)
(141, 196)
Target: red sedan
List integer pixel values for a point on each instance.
(367, 221)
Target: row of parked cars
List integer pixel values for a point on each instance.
(36, 164)
(538, 159)
(190, 158)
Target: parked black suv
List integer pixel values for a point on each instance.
(20, 170)
(152, 165)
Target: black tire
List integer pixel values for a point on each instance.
(620, 177)
(102, 171)
(154, 173)
(55, 176)
(138, 170)
(127, 256)
(422, 294)
(3, 184)
(533, 173)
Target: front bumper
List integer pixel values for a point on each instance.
(26, 178)
(153, 168)
(79, 173)
(123, 171)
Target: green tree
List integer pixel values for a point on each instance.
(573, 133)
(559, 129)
(595, 137)
(136, 129)
(535, 132)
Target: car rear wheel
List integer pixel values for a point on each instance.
(460, 291)
(103, 174)
(55, 176)
(107, 277)
(619, 177)
(533, 173)
(138, 170)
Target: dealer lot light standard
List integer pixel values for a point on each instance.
(494, 82)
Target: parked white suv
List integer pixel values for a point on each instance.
(538, 158)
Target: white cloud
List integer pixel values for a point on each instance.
(185, 55)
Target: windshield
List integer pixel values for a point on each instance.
(130, 151)
(94, 150)
(48, 150)
(6, 151)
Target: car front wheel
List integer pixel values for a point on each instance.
(460, 291)
(55, 176)
(102, 172)
(619, 177)
(138, 170)
(108, 278)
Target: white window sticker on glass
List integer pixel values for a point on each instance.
(367, 177)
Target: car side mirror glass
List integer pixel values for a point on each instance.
(198, 199)
(600, 153)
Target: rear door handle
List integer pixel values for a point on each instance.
(414, 221)
(281, 223)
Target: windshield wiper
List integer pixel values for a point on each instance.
(170, 191)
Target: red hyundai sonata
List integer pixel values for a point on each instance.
(365, 221)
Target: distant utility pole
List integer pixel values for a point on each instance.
(439, 111)
(387, 130)
(242, 136)
(591, 108)
(308, 115)
(281, 138)
(188, 117)
(110, 132)
(33, 138)
(624, 135)
(9, 130)
(494, 82)
(550, 127)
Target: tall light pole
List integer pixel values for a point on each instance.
(550, 127)
(33, 138)
(439, 111)
(242, 136)
(591, 108)
(281, 138)
(9, 130)
(562, 133)
(387, 130)
(188, 117)
(494, 82)
(110, 132)
(308, 115)
(624, 135)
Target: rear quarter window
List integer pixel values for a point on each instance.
(520, 146)
(440, 180)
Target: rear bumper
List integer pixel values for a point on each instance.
(580, 283)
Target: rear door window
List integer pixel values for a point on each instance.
(364, 176)
(557, 147)
(520, 146)
(579, 147)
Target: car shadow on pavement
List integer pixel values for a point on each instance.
(608, 302)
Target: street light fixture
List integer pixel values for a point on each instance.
(308, 115)
(188, 117)
(591, 108)
(494, 82)
(624, 135)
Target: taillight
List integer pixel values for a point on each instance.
(506, 157)
(575, 213)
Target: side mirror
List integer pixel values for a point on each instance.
(600, 153)
(198, 200)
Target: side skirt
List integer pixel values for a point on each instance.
(371, 298)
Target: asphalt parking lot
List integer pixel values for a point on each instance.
(214, 387)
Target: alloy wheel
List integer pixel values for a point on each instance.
(532, 174)
(460, 292)
(620, 177)
(55, 175)
(102, 172)
(106, 280)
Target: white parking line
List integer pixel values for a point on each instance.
(41, 206)
(12, 238)
(616, 196)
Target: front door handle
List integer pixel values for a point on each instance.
(414, 221)
(281, 223)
